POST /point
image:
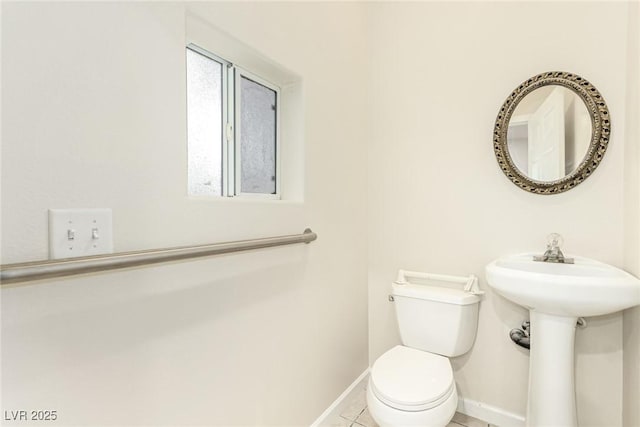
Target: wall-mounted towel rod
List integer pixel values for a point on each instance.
(27, 271)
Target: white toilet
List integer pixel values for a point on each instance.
(412, 384)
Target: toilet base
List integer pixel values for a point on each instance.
(387, 416)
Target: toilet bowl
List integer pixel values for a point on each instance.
(412, 384)
(409, 387)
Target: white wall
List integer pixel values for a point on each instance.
(93, 114)
(631, 330)
(438, 201)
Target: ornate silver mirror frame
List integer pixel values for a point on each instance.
(601, 130)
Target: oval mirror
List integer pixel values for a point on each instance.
(551, 132)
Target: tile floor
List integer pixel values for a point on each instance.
(357, 414)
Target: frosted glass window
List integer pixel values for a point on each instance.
(232, 126)
(204, 124)
(258, 111)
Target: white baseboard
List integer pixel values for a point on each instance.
(332, 413)
(491, 414)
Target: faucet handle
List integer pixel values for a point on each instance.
(554, 241)
(553, 252)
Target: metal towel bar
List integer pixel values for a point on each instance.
(27, 271)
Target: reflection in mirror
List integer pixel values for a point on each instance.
(549, 133)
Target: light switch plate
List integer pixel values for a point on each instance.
(80, 232)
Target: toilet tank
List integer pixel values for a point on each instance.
(437, 319)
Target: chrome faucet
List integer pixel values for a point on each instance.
(553, 252)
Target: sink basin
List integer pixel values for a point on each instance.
(586, 288)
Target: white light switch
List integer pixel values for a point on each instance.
(79, 232)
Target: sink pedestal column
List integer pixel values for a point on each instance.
(552, 399)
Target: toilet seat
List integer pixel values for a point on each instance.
(411, 380)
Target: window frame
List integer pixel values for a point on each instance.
(225, 113)
(238, 74)
(231, 104)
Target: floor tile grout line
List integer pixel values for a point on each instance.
(358, 424)
(356, 417)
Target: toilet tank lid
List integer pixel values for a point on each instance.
(434, 293)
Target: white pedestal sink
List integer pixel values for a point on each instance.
(556, 295)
